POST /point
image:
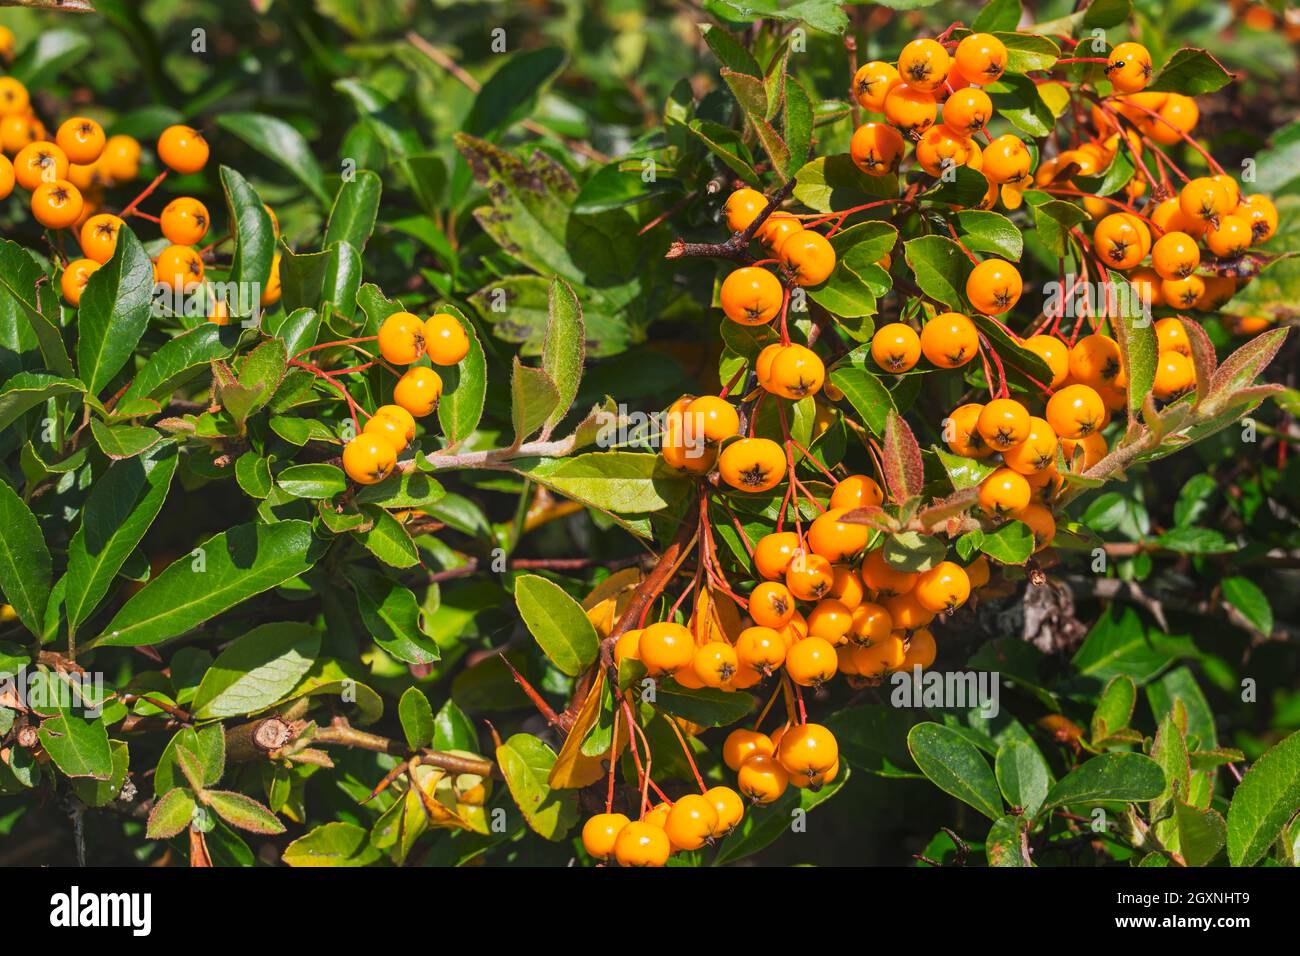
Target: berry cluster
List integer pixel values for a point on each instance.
(403, 338)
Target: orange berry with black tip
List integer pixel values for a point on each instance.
(876, 148)
(1175, 255)
(75, 276)
(811, 662)
(1121, 240)
(940, 149)
(1006, 159)
(81, 139)
(665, 647)
(1175, 374)
(774, 552)
(751, 295)
(1229, 236)
(729, 808)
(910, 109)
(39, 162)
(949, 340)
(943, 587)
(896, 347)
(809, 577)
(1003, 422)
(185, 221)
(796, 372)
(418, 391)
(99, 236)
(182, 149)
(921, 650)
(808, 750)
(401, 338)
(1003, 492)
(830, 620)
(762, 779)
(1095, 361)
(1204, 198)
(752, 464)
(1075, 411)
(1054, 352)
(179, 267)
(871, 622)
(1037, 452)
(836, 539)
(715, 662)
(761, 648)
(1171, 336)
(967, 111)
(14, 97)
(369, 459)
(445, 340)
(771, 605)
(981, 57)
(713, 417)
(961, 432)
(1261, 214)
(872, 83)
(994, 287)
(1184, 293)
(808, 256)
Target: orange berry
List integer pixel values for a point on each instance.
(628, 646)
(981, 57)
(401, 338)
(1261, 214)
(921, 650)
(949, 340)
(1121, 240)
(369, 459)
(885, 580)
(910, 109)
(666, 647)
(808, 750)
(857, 491)
(1204, 199)
(1003, 492)
(907, 612)
(761, 648)
(1040, 522)
(1178, 115)
(445, 339)
(691, 822)
(600, 833)
(847, 587)
(1184, 293)
(742, 208)
(762, 779)
(99, 236)
(774, 552)
(1175, 255)
(961, 432)
(13, 96)
(796, 372)
(1229, 236)
(1171, 336)
(942, 588)
(872, 83)
(271, 292)
(939, 149)
(75, 276)
(871, 623)
(1037, 452)
(751, 296)
(808, 256)
(7, 178)
(877, 659)
(179, 267)
(924, 64)
(1007, 159)
(1003, 422)
(741, 744)
(388, 428)
(993, 287)
(1075, 411)
(728, 806)
(640, 843)
(896, 347)
(39, 162)
(81, 139)
(1175, 374)
(811, 662)
(771, 605)
(809, 577)
(1095, 360)
(1129, 67)
(418, 391)
(120, 160)
(1094, 450)
(185, 221)
(967, 111)
(714, 418)
(715, 663)
(978, 572)
(830, 620)
(835, 539)
(752, 464)
(877, 148)
(777, 228)
(183, 149)
(1054, 352)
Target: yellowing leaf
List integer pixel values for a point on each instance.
(573, 769)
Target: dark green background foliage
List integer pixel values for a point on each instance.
(462, 193)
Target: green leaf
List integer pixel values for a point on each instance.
(1027, 52)
(1053, 221)
(1115, 708)
(464, 386)
(178, 360)
(99, 793)
(1023, 775)
(992, 232)
(940, 268)
(387, 539)
(1201, 833)
(327, 282)
(913, 551)
(392, 616)
(1136, 336)
(619, 482)
(564, 348)
(901, 459)
(866, 393)
(1012, 543)
(764, 825)
(558, 622)
(835, 182)
(25, 390)
(1250, 601)
(1001, 15)
(208, 744)
(243, 812)
(333, 844)
(955, 766)
(1016, 99)
(77, 744)
(707, 706)
(1121, 643)
(316, 480)
(416, 715)
(1126, 777)
(260, 373)
(298, 329)
(171, 814)
(49, 53)
(235, 566)
(405, 489)
(123, 441)
(730, 52)
(254, 235)
(1007, 843)
(25, 567)
(533, 398)
(21, 280)
(526, 764)
(453, 730)
(352, 218)
(119, 510)
(510, 94)
(1191, 71)
(1263, 802)
(256, 670)
(114, 312)
(281, 143)
(964, 472)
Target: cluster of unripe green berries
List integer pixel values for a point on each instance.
(403, 338)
